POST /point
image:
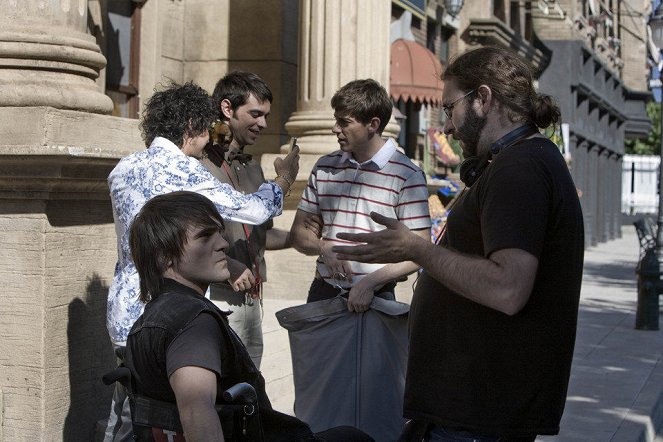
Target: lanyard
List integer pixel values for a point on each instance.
(247, 234)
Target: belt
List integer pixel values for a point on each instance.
(387, 287)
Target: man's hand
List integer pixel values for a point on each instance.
(360, 296)
(286, 168)
(241, 277)
(393, 244)
(244, 282)
(339, 269)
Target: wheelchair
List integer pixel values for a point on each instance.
(241, 420)
(158, 421)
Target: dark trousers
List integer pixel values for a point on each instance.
(443, 434)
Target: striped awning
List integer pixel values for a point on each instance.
(415, 73)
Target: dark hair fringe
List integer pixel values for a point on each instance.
(236, 88)
(363, 100)
(158, 235)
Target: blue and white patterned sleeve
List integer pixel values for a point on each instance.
(255, 208)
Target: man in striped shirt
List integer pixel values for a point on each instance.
(367, 174)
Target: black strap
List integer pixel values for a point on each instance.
(150, 412)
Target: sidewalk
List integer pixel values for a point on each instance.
(616, 388)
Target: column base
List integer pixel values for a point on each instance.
(56, 264)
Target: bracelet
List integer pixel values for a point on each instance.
(287, 181)
(285, 176)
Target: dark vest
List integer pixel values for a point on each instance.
(162, 321)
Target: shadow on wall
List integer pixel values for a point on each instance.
(90, 356)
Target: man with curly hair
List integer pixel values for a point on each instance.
(175, 127)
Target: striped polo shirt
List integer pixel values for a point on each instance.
(345, 192)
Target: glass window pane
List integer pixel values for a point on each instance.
(118, 42)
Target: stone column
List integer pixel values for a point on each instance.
(56, 224)
(339, 41)
(47, 58)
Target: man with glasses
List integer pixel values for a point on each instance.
(494, 314)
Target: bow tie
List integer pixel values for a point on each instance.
(238, 156)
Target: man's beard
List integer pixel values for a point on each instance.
(470, 132)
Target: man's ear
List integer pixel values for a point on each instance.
(164, 263)
(485, 96)
(226, 108)
(374, 125)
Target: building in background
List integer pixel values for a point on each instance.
(75, 73)
(591, 55)
(599, 73)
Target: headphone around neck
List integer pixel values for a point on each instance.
(472, 167)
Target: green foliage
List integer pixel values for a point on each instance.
(651, 145)
(554, 134)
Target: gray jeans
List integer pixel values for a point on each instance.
(119, 428)
(245, 320)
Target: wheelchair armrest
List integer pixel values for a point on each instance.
(240, 393)
(120, 374)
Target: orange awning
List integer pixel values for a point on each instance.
(415, 73)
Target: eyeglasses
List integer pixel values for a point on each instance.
(449, 107)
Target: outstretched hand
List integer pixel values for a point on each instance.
(386, 246)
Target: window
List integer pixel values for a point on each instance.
(431, 35)
(445, 36)
(122, 53)
(498, 10)
(514, 17)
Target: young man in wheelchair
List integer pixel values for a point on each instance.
(181, 350)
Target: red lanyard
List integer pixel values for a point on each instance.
(256, 267)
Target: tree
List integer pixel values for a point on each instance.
(651, 145)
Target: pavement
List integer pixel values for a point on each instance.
(616, 388)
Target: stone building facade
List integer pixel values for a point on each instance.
(598, 71)
(592, 57)
(67, 117)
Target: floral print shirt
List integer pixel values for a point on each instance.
(164, 168)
